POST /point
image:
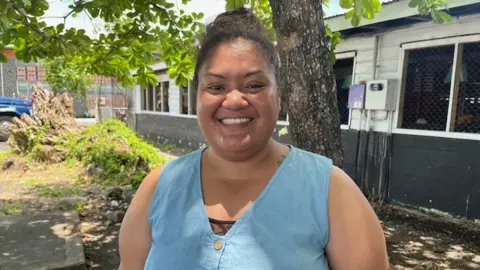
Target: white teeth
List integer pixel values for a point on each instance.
(235, 121)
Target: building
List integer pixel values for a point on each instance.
(17, 78)
(416, 145)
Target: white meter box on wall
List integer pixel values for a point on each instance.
(380, 95)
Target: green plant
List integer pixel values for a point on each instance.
(79, 207)
(168, 146)
(124, 157)
(12, 208)
(57, 192)
(5, 155)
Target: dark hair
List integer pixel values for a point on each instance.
(228, 26)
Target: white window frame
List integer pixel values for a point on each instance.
(458, 43)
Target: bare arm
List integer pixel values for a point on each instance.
(356, 236)
(135, 234)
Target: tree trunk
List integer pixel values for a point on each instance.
(306, 77)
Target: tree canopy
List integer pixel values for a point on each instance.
(138, 28)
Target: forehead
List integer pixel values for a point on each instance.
(236, 56)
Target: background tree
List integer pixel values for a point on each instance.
(67, 76)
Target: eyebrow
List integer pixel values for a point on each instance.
(223, 76)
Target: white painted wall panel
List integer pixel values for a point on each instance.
(174, 98)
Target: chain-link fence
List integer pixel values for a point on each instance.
(343, 69)
(468, 106)
(427, 88)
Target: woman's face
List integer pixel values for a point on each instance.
(238, 102)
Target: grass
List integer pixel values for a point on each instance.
(57, 192)
(4, 155)
(12, 208)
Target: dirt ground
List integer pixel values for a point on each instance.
(412, 239)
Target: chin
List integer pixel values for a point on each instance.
(235, 144)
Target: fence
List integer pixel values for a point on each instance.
(433, 94)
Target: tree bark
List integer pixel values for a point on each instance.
(307, 80)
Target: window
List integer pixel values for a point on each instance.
(427, 89)
(158, 97)
(155, 98)
(441, 89)
(343, 70)
(467, 113)
(183, 100)
(147, 99)
(165, 87)
(188, 98)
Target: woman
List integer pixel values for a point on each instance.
(247, 201)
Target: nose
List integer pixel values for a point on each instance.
(235, 100)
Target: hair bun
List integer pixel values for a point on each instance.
(238, 20)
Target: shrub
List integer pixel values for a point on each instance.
(124, 157)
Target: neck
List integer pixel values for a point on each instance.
(240, 170)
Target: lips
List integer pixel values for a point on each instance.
(236, 121)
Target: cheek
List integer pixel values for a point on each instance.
(207, 103)
(267, 104)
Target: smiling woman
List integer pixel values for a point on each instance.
(247, 201)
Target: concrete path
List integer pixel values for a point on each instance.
(41, 242)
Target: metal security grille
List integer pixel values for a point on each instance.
(468, 106)
(343, 69)
(427, 88)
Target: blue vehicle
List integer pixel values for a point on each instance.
(10, 108)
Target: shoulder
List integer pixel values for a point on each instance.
(353, 226)
(178, 167)
(162, 175)
(134, 236)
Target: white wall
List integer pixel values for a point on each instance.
(390, 55)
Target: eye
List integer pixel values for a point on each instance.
(216, 87)
(255, 86)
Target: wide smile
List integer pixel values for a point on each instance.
(235, 121)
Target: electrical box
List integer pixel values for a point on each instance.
(380, 95)
(356, 96)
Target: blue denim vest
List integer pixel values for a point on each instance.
(285, 228)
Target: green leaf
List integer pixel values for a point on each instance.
(234, 4)
(415, 3)
(60, 28)
(445, 16)
(3, 58)
(349, 14)
(346, 4)
(356, 20)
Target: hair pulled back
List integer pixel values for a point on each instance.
(231, 25)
